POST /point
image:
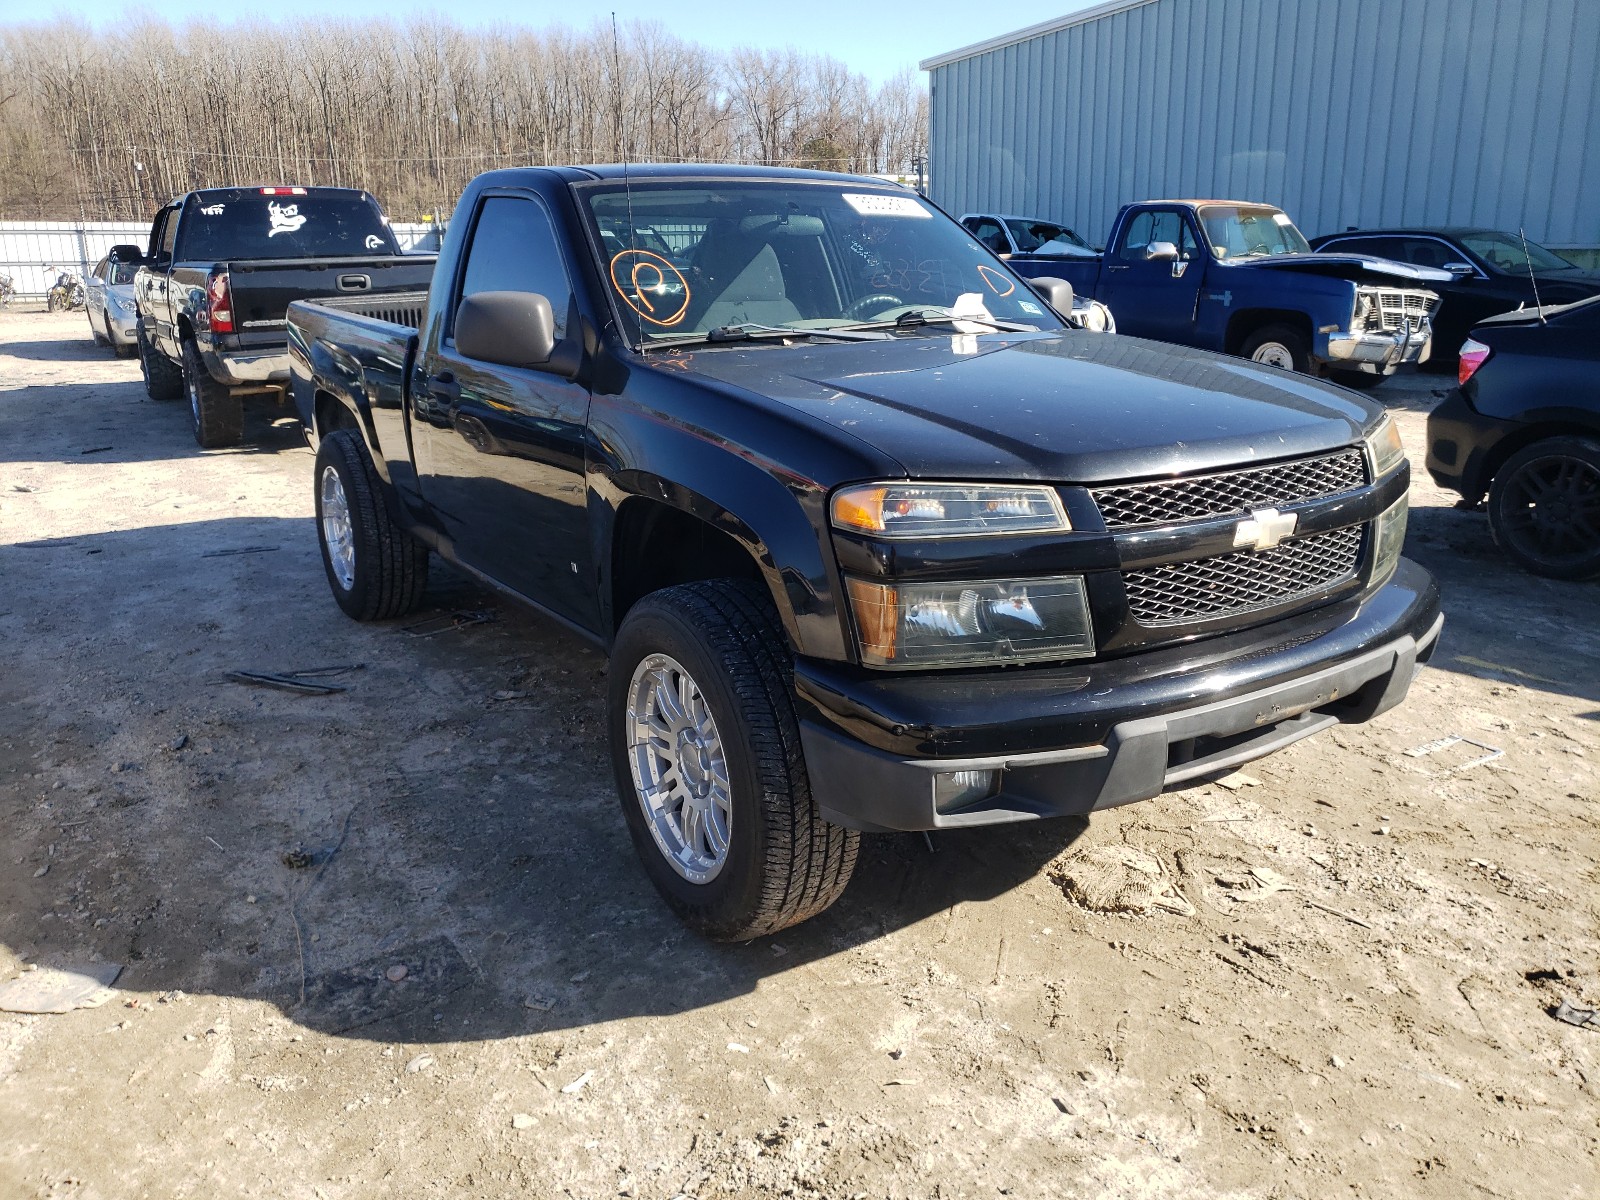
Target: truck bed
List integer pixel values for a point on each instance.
(374, 338)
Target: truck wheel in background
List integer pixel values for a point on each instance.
(1278, 346)
(162, 380)
(1544, 507)
(217, 414)
(376, 569)
(706, 750)
(1361, 381)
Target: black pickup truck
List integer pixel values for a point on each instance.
(875, 540)
(221, 268)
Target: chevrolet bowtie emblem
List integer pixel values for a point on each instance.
(1264, 529)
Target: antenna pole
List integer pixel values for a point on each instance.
(1527, 260)
(627, 187)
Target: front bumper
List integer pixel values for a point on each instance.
(1462, 446)
(1074, 739)
(124, 329)
(1377, 353)
(244, 368)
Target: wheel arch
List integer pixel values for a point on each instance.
(1248, 320)
(664, 533)
(1522, 438)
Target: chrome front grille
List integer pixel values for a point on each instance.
(1391, 308)
(1230, 493)
(1233, 584)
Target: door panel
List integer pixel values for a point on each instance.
(501, 450)
(1153, 299)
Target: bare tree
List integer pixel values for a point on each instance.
(111, 123)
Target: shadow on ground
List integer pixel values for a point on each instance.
(221, 838)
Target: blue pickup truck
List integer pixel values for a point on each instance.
(1239, 277)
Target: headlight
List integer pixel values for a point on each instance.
(1384, 449)
(989, 621)
(1390, 531)
(938, 510)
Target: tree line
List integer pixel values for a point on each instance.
(111, 124)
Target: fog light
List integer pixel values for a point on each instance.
(957, 789)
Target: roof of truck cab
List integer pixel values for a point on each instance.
(1202, 203)
(652, 171)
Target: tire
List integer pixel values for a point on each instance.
(216, 413)
(1278, 346)
(386, 568)
(55, 300)
(162, 378)
(1359, 380)
(1544, 508)
(123, 350)
(780, 862)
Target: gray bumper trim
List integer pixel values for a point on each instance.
(245, 370)
(864, 788)
(1378, 352)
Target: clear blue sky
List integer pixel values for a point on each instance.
(876, 39)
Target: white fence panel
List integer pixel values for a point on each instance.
(29, 249)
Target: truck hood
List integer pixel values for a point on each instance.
(1359, 268)
(1066, 407)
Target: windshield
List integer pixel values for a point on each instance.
(121, 273)
(1504, 253)
(253, 225)
(685, 258)
(1041, 237)
(1241, 231)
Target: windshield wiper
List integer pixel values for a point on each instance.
(911, 320)
(749, 331)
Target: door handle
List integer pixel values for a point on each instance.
(443, 386)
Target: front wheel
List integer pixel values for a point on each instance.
(1281, 346)
(162, 379)
(706, 750)
(376, 569)
(1544, 508)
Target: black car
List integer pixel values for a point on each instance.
(1491, 273)
(1524, 426)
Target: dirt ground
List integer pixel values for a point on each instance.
(1348, 992)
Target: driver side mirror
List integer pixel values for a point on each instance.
(1057, 293)
(127, 254)
(1160, 252)
(1460, 270)
(512, 329)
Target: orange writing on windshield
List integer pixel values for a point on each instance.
(653, 285)
(994, 279)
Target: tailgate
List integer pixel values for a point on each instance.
(264, 288)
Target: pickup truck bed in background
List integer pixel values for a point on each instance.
(222, 268)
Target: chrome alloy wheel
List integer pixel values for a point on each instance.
(680, 773)
(1274, 354)
(336, 532)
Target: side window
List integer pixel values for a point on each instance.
(990, 234)
(1157, 226)
(169, 235)
(99, 271)
(514, 249)
(1378, 247)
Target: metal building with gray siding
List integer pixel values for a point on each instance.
(1341, 112)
